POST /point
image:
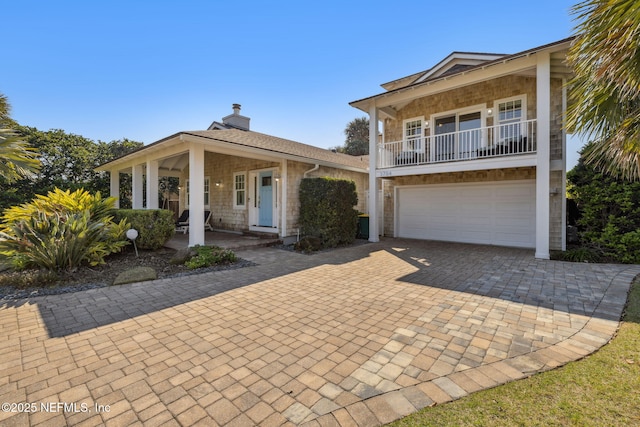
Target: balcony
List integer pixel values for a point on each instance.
(511, 139)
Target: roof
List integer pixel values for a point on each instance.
(442, 69)
(453, 63)
(278, 145)
(252, 141)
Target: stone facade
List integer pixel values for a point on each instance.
(220, 168)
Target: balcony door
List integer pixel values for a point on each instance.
(457, 135)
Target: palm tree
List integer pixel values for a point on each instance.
(605, 93)
(17, 159)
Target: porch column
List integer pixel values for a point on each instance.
(543, 106)
(152, 184)
(136, 190)
(373, 181)
(283, 198)
(196, 194)
(114, 186)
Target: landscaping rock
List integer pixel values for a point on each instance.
(137, 274)
(181, 256)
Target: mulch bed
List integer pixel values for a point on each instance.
(27, 284)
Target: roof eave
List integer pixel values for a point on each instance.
(365, 103)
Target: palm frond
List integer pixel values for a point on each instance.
(605, 93)
(17, 159)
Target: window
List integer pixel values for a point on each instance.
(206, 197)
(239, 190)
(412, 137)
(510, 114)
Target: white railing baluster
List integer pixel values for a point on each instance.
(492, 141)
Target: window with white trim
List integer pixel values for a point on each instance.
(206, 196)
(239, 190)
(413, 133)
(510, 114)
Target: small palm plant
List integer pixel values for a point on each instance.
(61, 231)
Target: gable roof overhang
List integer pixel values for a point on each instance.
(172, 152)
(426, 83)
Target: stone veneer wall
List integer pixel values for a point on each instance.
(221, 167)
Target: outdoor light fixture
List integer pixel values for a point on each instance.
(218, 183)
(132, 234)
(489, 111)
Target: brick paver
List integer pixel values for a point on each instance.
(358, 336)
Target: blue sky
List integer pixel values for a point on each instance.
(147, 69)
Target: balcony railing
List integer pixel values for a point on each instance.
(481, 143)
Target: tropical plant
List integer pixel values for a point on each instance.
(605, 93)
(61, 230)
(357, 137)
(17, 159)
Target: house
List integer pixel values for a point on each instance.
(473, 150)
(249, 181)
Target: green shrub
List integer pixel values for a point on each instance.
(155, 226)
(609, 213)
(326, 210)
(308, 244)
(207, 256)
(61, 230)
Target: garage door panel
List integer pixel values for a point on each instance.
(499, 213)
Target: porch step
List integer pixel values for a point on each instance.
(260, 234)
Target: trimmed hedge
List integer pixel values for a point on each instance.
(155, 226)
(326, 210)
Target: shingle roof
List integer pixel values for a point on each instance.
(280, 145)
(261, 141)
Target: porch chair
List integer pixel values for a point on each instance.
(183, 221)
(184, 225)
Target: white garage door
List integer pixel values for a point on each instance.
(496, 213)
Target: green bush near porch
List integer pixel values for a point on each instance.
(326, 210)
(155, 226)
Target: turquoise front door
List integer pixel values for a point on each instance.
(265, 212)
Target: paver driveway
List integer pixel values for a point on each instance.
(357, 336)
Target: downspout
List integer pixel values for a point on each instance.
(315, 168)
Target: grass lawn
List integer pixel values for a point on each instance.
(600, 390)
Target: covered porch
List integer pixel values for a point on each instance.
(242, 190)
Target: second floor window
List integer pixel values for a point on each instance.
(510, 114)
(413, 135)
